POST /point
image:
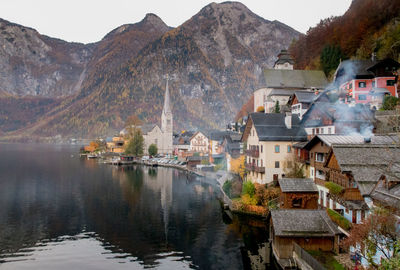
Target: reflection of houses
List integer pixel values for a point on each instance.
(298, 193)
(310, 229)
(367, 81)
(199, 143)
(269, 139)
(282, 81)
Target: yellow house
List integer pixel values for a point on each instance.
(269, 139)
(117, 145)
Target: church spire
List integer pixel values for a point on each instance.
(167, 108)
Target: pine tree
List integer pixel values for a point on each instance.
(277, 108)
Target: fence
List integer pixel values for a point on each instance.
(305, 256)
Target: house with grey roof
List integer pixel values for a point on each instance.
(298, 193)
(282, 81)
(299, 102)
(310, 229)
(355, 165)
(269, 139)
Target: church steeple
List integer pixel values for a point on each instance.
(166, 116)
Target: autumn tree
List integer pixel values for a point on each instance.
(153, 149)
(133, 120)
(378, 233)
(136, 144)
(330, 58)
(238, 166)
(260, 109)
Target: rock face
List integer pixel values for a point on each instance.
(215, 61)
(33, 64)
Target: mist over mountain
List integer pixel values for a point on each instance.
(214, 61)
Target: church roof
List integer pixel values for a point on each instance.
(300, 79)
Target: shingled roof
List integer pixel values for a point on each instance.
(297, 185)
(302, 223)
(271, 127)
(301, 79)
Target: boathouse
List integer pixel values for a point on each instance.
(310, 229)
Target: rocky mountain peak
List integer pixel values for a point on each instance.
(153, 19)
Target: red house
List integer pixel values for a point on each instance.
(367, 81)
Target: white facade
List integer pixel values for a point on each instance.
(199, 143)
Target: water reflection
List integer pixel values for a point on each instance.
(59, 211)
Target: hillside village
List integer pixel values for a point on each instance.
(322, 152)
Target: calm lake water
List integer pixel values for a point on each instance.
(59, 211)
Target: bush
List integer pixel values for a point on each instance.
(339, 219)
(218, 167)
(247, 199)
(248, 188)
(334, 188)
(389, 103)
(236, 190)
(227, 187)
(153, 149)
(264, 194)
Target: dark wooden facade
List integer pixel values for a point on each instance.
(302, 200)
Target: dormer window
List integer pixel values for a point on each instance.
(362, 84)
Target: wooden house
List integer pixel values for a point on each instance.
(310, 229)
(298, 193)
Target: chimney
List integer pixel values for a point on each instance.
(373, 56)
(288, 120)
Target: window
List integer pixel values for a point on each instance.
(313, 131)
(277, 149)
(317, 130)
(329, 130)
(276, 164)
(261, 148)
(322, 130)
(296, 203)
(390, 82)
(362, 84)
(319, 157)
(298, 152)
(362, 97)
(289, 149)
(373, 83)
(320, 174)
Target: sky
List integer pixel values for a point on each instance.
(89, 21)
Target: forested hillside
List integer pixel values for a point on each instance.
(368, 26)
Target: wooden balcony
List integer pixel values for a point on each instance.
(255, 168)
(253, 153)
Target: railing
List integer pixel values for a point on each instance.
(253, 153)
(305, 256)
(255, 168)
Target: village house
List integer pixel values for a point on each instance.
(269, 139)
(232, 147)
(199, 143)
(309, 229)
(116, 144)
(182, 144)
(299, 102)
(282, 81)
(347, 168)
(367, 81)
(298, 193)
(324, 117)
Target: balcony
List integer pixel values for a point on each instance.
(253, 153)
(255, 168)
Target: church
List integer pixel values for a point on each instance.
(162, 137)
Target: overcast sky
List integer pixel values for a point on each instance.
(90, 20)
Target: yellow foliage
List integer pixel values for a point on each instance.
(260, 109)
(238, 167)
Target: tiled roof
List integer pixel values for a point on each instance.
(331, 139)
(302, 223)
(271, 127)
(297, 185)
(305, 96)
(301, 79)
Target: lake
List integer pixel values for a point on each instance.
(60, 211)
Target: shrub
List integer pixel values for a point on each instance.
(260, 109)
(218, 167)
(339, 219)
(236, 190)
(334, 188)
(247, 199)
(248, 188)
(227, 187)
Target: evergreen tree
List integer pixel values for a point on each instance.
(277, 108)
(330, 58)
(153, 149)
(136, 144)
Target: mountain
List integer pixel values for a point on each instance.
(367, 26)
(214, 61)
